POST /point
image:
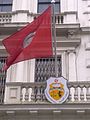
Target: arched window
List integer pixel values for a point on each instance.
(43, 4)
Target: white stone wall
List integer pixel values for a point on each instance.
(21, 72)
(22, 8)
(80, 62)
(30, 5)
(77, 62)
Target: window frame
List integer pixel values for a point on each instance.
(48, 3)
(6, 5)
(52, 62)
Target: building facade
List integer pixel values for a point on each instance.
(22, 86)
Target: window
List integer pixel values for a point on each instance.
(45, 68)
(6, 5)
(43, 4)
(2, 79)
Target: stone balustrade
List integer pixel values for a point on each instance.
(34, 92)
(7, 17)
(79, 91)
(59, 18)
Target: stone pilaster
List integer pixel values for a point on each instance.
(69, 8)
(72, 66)
(22, 10)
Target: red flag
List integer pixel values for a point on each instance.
(32, 41)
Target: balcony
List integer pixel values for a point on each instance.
(30, 97)
(28, 93)
(7, 17)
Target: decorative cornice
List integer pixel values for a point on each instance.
(87, 12)
(69, 12)
(45, 107)
(85, 29)
(20, 11)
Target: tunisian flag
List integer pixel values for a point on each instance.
(32, 41)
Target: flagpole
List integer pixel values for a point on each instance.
(54, 37)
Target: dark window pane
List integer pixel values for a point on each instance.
(0, 8)
(6, 8)
(45, 68)
(5, 5)
(7, 1)
(57, 8)
(44, 0)
(43, 4)
(2, 80)
(57, 0)
(42, 7)
(1, 1)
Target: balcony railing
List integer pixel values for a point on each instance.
(34, 92)
(59, 18)
(7, 17)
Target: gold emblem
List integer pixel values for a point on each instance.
(56, 90)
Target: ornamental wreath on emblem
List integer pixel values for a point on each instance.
(56, 90)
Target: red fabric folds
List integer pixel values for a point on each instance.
(32, 41)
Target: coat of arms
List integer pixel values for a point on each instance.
(56, 90)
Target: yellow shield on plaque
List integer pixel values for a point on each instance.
(56, 90)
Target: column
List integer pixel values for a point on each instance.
(69, 7)
(29, 70)
(64, 65)
(67, 64)
(63, 5)
(16, 5)
(11, 73)
(19, 5)
(32, 70)
(32, 6)
(24, 5)
(72, 66)
(20, 72)
(20, 11)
